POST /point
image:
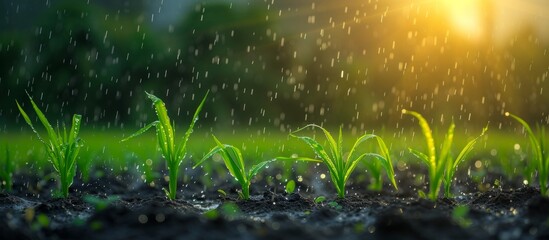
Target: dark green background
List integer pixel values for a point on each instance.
(266, 64)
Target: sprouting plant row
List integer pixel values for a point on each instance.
(63, 147)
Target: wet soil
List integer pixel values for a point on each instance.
(122, 208)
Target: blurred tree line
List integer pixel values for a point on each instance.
(277, 65)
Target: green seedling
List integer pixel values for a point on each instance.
(222, 193)
(319, 199)
(230, 210)
(7, 168)
(341, 164)
(441, 168)
(232, 157)
(335, 205)
(41, 221)
(211, 214)
(99, 203)
(290, 187)
(62, 147)
(539, 159)
(165, 133)
(460, 215)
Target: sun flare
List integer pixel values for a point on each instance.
(466, 16)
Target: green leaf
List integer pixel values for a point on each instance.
(234, 161)
(446, 147)
(42, 220)
(221, 192)
(141, 131)
(338, 153)
(467, 149)
(163, 143)
(335, 205)
(256, 168)
(208, 155)
(355, 162)
(422, 194)
(26, 117)
(165, 126)
(386, 161)
(428, 137)
(75, 129)
(319, 199)
(230, 210)
(420, 155)
(290, 186)
(49, 129)
(320, 152)
(304, 159)
(533, 141)
(211, 214)
(100, 203)
(460, 214)
(183, 145)
(360, 140)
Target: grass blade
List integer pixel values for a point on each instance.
(233, 161)
(360, 140)
(319, 151)
(446, 146)
(49, 129)
(75, 128)
(330, 160)
(354, 162)
(183, 145)
(533, 141)
(256, 168)
(420, 155)
(304, 159)
(428, 137)
(141, 131)
(165, 126)
(386, 161)
(28, 121)
(467, 149)
(208, 155)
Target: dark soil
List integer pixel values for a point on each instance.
(143, 212)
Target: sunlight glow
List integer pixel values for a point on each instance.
(466, 17)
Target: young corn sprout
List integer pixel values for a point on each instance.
(376, 178)
(165, 133)
(442, 168)
(341, 164)
(235, 164)
(62, 147)
(540, 159)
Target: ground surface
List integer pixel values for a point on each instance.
(143, 212)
